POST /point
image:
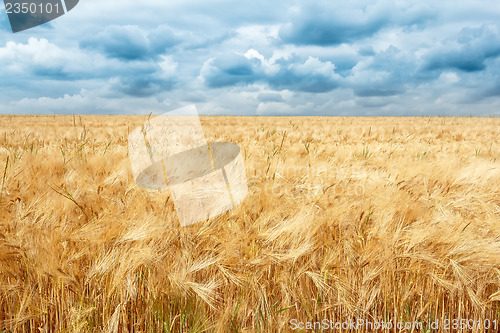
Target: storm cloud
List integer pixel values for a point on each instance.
(285, 57)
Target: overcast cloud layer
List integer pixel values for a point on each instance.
(257, 58)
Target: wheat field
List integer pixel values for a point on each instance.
(364, 220)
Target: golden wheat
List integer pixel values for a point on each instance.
(347, 219)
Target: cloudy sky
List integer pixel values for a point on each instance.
(281, 57)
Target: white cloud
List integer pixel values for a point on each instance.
(168, 66)
(449, 77)
(35, 53)
(269, 66)
(315, 66)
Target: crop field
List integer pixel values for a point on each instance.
(391, 224)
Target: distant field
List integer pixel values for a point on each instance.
(393, 220)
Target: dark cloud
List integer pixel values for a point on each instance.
(327, 23)
(122, 42)
(231, 70)
(470, 61)
(370, 90)
(484, 84)
(164, 37)
(475, 45)
(307, 75)
(294, 80)
(131, 42)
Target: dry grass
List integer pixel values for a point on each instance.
(347, 218)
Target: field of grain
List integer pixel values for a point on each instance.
(393, 220)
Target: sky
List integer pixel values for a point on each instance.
(282, 57)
